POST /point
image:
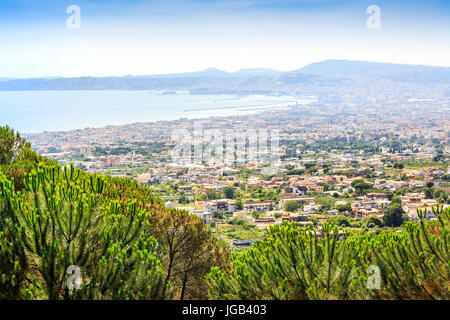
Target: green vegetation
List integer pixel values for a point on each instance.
(293, 262)
(62, 220)
(344, 207)
(341, 145)
(277, 215)
(238, 229)
(360, 186)
(341, 221)
(11, 145)
(325, 202)
(228, 192)
(295, 172)
(374, 222)
(257, 194)
(437, 193)
(122, 240)
(394, 216)
(291, 206)
(128, 245)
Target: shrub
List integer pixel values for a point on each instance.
(291, 206)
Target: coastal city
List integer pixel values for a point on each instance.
(363, 164)
(224, 159)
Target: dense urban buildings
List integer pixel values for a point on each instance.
(337, 156)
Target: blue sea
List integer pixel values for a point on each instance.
(37, 111)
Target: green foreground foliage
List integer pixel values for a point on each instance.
(61, 220)
(124, 242)
(67, 234)
(295, 262)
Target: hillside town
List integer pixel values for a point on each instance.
(364, 164)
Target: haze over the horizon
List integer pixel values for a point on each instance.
(212, 69)
(141, 37)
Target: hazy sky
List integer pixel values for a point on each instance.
(119, 37)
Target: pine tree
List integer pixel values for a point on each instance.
(294, 262)
(62, 219)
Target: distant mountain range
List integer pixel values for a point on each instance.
(391, 71)
(317, 77)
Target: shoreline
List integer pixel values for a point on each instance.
(84, 114)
